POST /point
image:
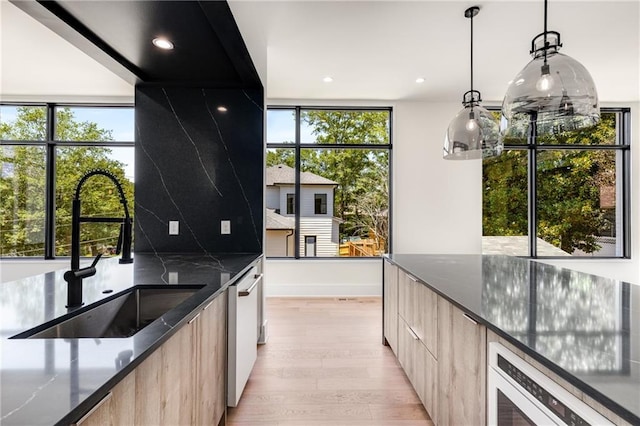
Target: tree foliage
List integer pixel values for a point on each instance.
(362, 196)
(569, 186)
(23, 184)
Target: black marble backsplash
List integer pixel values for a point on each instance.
(199, 165)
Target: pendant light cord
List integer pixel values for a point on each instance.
(471, 19)
(545, 32)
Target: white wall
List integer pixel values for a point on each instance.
(437, 203)
(11, 270)
(323, 277)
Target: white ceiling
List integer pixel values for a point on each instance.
(38, 65)
(374, 50)
(377, 49)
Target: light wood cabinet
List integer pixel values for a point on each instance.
(390, 289)
(211, 363)
(180, 383)
(462, 367)
(417, 339)
(442, 351)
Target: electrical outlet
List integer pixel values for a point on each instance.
(174, 227)
(225, 227)
(173, 278)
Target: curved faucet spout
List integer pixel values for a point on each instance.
(113, 178)
(75, 275)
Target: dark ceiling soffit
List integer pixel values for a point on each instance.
(223, 24)
(58, 20)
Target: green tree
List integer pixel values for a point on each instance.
(569, 185)
(22, 184)
(361, 198)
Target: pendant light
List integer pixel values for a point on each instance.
(474, 132)
(554, 92)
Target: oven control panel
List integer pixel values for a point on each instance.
(527, 384)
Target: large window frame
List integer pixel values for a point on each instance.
(50, 145)
(622, 145)
(298, 146)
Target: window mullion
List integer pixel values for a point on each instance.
(296, 247)
(50, 189)
(532, 187)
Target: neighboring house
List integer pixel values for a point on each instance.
(318, 227)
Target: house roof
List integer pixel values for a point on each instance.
(285, 175)
(277, 221)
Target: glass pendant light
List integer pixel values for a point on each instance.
(554, 91)
(473, 133)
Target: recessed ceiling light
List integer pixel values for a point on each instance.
(222, 108)
(162, 43)
(420, 80)
(327, 79)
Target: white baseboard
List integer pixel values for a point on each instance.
(323, 290)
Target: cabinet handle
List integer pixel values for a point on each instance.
(248, 291)
(208, 304)
(470, 319)
(415, 280)
(95, 407)
(194, 318)
(412, 333)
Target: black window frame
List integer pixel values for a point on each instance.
(320, 203)
(298, 146)
(623, 130)
(50, 144)
(291, 203)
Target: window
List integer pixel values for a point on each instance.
(291, 206)
(310, 245)
(333, 164)
(42, 161)
(559, 196)
(320, 205)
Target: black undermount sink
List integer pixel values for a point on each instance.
(122, 316)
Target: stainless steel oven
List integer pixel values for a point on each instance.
(519, 395)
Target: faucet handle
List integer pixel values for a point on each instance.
(119, 243)
(95, 261)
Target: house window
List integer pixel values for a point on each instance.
(310, 245)
(291, 204)
(562, 195)
(45, 149)
(320, 203)
(337, 161)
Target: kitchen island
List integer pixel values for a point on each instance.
(56, 381)
(580, 328)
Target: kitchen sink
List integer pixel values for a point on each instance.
(122, 316)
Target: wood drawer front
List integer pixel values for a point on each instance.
(420, 367)
(462, 367)
(425, 317)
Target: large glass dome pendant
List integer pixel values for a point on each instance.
(554, 91)
(473, 133)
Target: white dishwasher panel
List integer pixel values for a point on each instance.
(243, 333)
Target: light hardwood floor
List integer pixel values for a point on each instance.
(325, 364)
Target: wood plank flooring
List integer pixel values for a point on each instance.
(325, 364)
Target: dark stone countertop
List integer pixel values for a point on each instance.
(54, 381)
(583, 327)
